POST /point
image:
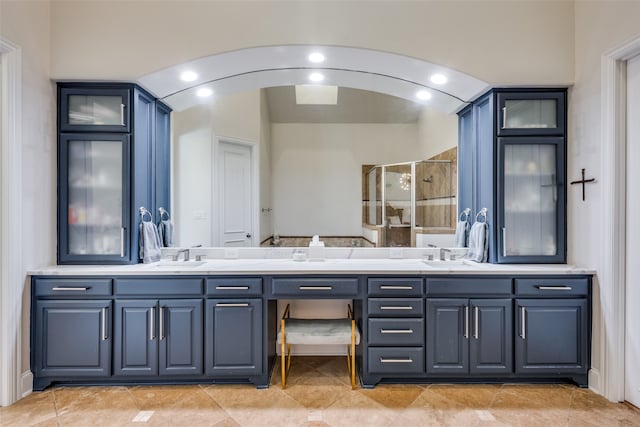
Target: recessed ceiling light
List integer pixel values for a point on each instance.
(204, 92)
(188, 76)
(423, 95)
(438, 79)
(316, 77)
(316, 57)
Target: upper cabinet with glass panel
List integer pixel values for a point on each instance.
(522, 113)
(94, 110)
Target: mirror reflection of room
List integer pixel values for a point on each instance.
(312, 166)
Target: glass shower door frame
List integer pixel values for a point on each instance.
(64, 253)
(561, 197)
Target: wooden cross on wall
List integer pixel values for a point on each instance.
(583, 182)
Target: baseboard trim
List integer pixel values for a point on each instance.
(595, 381)
(26, 384)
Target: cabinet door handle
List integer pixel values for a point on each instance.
(121, 114)
(104, 324)
(407, 360)
(504, 241)
(152, 316)
(466, 321)
(315, 288)
(234, 304)
(232, 288)
(504, 117)
(396, 287)
(70, 288)
(475, 309)
(122, 242)
(523, 317)
(554, 288)
(396, 331)
(161, 324)
(396, 307)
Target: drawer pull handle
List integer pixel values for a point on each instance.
(315, 288)
(396, 331)
(523, 319)
(466, 321)
(475, 335)
(397, 287)
(554, 288)
(161, 324)
(396, 307)
(232, 288)
(408, 360)
(67, 288)
(230, 304)
(152, 327)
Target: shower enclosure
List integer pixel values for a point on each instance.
(408, 199)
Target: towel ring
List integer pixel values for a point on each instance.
(482, 214)
(144, 212)
(466, 213)
(163, 212)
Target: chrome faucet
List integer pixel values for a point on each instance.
(443, 251)
(176, 256)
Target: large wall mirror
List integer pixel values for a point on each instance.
(356, 158)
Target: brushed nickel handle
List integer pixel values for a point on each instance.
(396, 307)
(523, 317)
(504, 241)
(396, 331)
(122, 242)
(228, 304)
(232, 288)
(475, 309)
(122, 114)
(315, 288)
(161, 324)
(397, 287)
(70, 288)
(104, 324)
(554, 288)
(466, 321)
(407, 360)
(152, 316)
(504, 117)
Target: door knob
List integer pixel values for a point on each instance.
(248, 235)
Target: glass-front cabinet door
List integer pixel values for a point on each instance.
(94, 110)
(539, 113)
(531, 200)
(94, 193)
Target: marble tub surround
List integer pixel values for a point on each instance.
(319, 396)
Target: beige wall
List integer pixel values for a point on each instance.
(27, 24)
(501, 42)
(266, 216)
(437, 131)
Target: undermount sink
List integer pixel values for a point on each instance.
(179, 264)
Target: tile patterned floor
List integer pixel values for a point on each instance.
(318, 395)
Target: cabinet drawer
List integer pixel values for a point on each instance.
(234, 286)
(395, 286)
(396, 307)
(314, 288)
(158, 287)
(72, 287)
(395, 360)
(469, 287)
(553, 287)
(399, 332)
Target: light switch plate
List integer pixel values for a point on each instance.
(395, 252)
(231, 253)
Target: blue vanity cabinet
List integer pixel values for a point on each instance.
(515, 152)
(110, 163)
(469, 336)
(553, 327)
(71, 329)
(234, 329)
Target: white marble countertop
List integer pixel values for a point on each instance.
(373, 266)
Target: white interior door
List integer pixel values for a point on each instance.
(236, 194)
(632, 316)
